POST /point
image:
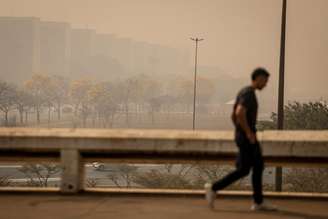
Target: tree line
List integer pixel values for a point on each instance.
(99, 102)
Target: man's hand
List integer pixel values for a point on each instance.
(251, 137)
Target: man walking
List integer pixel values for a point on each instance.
(244, 118)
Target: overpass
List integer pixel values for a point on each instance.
(73, 147)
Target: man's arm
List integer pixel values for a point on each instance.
(240, 116)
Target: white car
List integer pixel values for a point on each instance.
(98, 166)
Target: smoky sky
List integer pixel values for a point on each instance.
(239, 34)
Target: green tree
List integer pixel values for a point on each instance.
(301, 116)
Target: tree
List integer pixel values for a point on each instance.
(60, 91)
(301, 116)
(79, 93)
(23, 102)
(91, 182)
(306, 179)
(151, 95)
(7, 99)
(209, 173)
(103, 104)
(39, 174)
(4, 181)
(123, 177)
(125, 93)
(38, 87)
(171, 177)
(155, 106)
(185, 94)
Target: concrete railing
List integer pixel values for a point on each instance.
(73, 147)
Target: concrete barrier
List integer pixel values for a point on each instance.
(74, 146)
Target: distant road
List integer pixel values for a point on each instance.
(101, 176)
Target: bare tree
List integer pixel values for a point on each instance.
(306, 179)
(170, 177)
(7, 99)
(91, 182)
(155, 106)
(23, 102)
(79, 93)
(4, 181)
(124, 175)
(104, 107)
(60, 92)
(39, 174)
(38, 88)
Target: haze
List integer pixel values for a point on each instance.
(239, 34)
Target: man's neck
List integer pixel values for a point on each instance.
(253, 86)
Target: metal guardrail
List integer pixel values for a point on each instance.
(73, 147)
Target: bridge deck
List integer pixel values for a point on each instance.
(46, 206)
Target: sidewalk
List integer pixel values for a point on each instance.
(51, 206)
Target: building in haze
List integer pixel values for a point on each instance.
(104, 59)
(29, 46)
(19, 48)
(81, 53)
(55, 48)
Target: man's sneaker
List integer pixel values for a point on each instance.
(263, 207)
(209, 195)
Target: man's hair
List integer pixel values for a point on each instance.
(260, 72)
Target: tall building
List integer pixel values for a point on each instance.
(104, 60)
(19, 48)
(55, 48)
(81, 53)
(140, 57)
(121, 50)
(28, 46)
(102, 44)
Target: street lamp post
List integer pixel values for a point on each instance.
(280, 122)
(195, 77)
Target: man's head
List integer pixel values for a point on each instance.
(260, 78)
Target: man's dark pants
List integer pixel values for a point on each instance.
(249, 157)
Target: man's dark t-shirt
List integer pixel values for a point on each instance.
(247, 98)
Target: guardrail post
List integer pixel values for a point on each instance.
(72, 175)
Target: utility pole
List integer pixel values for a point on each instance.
(195, 78)
(280, 123)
